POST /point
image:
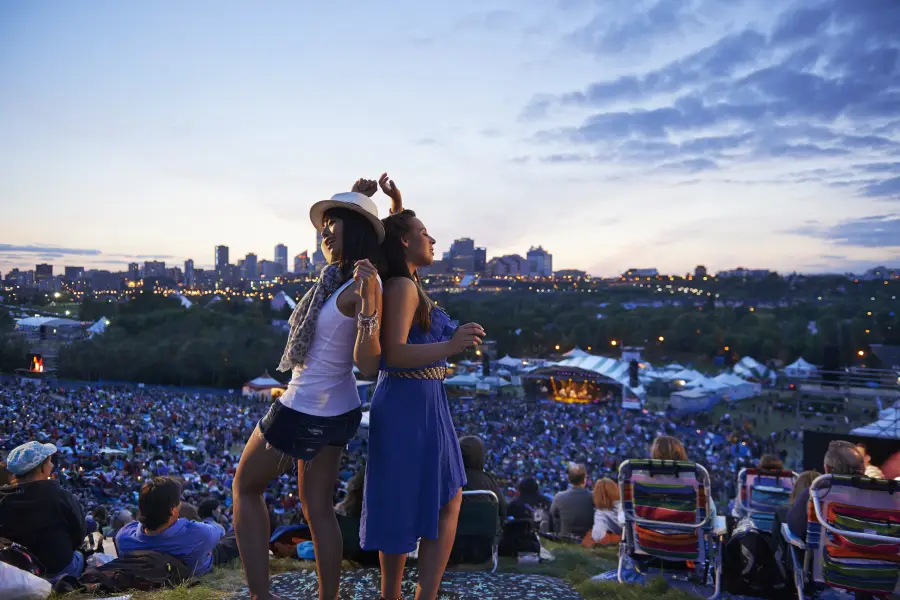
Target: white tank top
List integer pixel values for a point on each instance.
(326, 386)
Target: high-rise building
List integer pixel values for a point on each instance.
(480, 261)
(508, 266)
(189, 278)
(134, 271)
(43, 271)
(465, 257)
(281, 257)
(154, 268)
(318, 256)
(221, 258)
(250, 271)
(700, 272)
(301, 263)
(268, 269)
(540, 262)
(73, 274)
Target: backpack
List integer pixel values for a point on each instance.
(141, 570)
(751, 567)
(18, 556)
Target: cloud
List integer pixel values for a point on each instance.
(48, 250)
(877, 231)
(804, 88)
(604, 34)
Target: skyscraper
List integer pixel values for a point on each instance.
(250, 267)
(43, 271)
(301, 263)
(154, 268)
(73, 274)
(281, 257)
(134, 271)
(221, 258)
(318, 256)
(540, 262)
(189, 273)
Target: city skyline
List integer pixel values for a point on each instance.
(659, 132)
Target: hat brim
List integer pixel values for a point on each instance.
(317, 215)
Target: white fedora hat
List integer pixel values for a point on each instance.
(359, 203)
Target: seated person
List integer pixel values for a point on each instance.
(804, 480)
(770, 462)
(871, 470)
(572, 511)
(842, 458)
(530, 504)
(209, 512)
(159, 528)
(39, 514)
(472, 448)
(607, 528)
(666, 447)
(351, 505)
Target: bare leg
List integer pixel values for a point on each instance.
(316, 481)
(257, 468)
(392, 575)
(434, 554)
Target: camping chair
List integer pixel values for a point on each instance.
(852, 537)
(668, 522)
(477, 529)
(760, 493)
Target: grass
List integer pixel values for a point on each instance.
(573, 564)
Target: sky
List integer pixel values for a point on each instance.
(614, 133)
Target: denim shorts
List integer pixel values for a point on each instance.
(302, 436)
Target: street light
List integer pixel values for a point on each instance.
(861, 353)
(613, 343)
(557, 347)
(661, 339)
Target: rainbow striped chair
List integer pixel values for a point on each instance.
(760, 493)
(852, 537)
(668, 521)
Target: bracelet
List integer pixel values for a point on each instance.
(367, 325)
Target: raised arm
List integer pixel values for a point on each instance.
(392, 191)
(400, 301)
(367, 349)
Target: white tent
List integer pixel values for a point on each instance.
(509, 361)
(576, 352)
(752, 369)
(99, 327)
(737, 388)
(185, 303)
(462, 380)
(800, 369)
(617, 370)
(281, 300)
(685, 375)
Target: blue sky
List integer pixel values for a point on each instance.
(615, 133)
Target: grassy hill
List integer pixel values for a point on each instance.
(573, 564)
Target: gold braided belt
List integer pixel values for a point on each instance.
(438, 373)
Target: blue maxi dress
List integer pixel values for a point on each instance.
(415, 465)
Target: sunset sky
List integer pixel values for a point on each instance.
(615, 133)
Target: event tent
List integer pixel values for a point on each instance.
(800, 369)
(576, 352)
(617, 370)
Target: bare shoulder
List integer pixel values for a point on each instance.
(400, 287)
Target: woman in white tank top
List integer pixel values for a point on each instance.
(334, 326)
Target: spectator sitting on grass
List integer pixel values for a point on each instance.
(351, 505)
(472, 448)
(572, 511)
(39, 514)
(607, 528)
(159, 528)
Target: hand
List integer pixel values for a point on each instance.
(467, 336)
(365, 274)
(365, 186)
(391, 190)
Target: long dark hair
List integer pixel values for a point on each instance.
(395, 227)
(358, 240)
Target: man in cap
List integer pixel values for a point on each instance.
(39, 514)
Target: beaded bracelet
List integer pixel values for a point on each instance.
(367, 325)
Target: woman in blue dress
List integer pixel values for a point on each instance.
(415, 471)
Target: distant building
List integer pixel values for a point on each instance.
(318, 258)
(640, 273)
(73, 274)
(464, 257)
(700, 272)
(134, 271)
(573, 274)
(301, 263)
(743, 273)
(221, 258)
(175, 274)
(251, 268)
(281, 257)
(43, 271)
(268, 269)
(189, 277)
(154, 268)
(480, 260)
(511, 265)
(540, 262)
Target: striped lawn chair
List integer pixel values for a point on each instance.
(668, 522)
(760, 493)
(852, 537)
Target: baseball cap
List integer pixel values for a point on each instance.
(28, 457)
